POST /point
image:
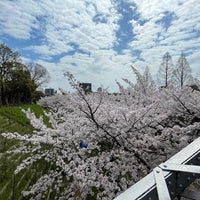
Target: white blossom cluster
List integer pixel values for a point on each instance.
(126, 135)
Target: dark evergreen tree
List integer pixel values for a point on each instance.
(18, 82)
(20, 87)
(8, 58)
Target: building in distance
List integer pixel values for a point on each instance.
(49, 91)
(87, 87)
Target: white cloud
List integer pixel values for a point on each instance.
(15, 21)
(193, 60)
(153, 40)
(101, 67)
(70, 22)
(89, 28)
(47, 51)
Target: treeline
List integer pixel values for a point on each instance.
(179, 75)
(19, 82)
(169, 75)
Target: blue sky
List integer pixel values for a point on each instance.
(96, 40)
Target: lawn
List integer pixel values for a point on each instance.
(12, 119)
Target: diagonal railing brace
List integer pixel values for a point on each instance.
(162, 189)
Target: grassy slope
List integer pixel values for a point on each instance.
(12, 119)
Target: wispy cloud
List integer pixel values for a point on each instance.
(18, 18)
(165, 26)
(99, 40)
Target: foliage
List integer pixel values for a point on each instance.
(141, 92)
(18, 82)
(8, 58)
(20, 88)
(127, 134)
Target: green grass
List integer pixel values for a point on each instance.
(17, 120)
(12, 119)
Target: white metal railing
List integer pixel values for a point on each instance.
(170, 179)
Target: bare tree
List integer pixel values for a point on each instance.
(165, 70)
(39, 74)
(182, 73)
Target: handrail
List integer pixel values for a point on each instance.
(170, 179)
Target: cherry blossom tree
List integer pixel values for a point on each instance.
(123, 140)
(140, 93)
